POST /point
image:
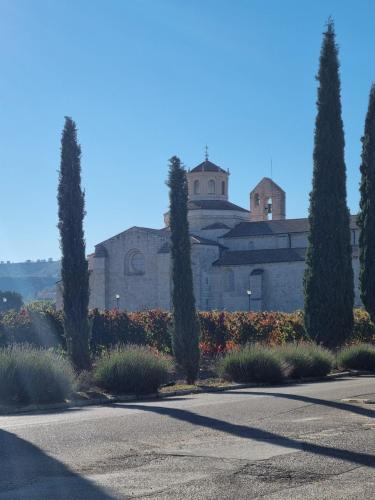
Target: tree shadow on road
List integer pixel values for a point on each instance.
(359, 410)
(27, 472)
(256, 434)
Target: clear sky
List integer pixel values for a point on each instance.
(147, 79)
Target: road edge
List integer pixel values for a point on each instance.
(109, 399)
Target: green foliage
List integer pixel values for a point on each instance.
(185, 332)
(253, 363)
(328, 280)
(305, 359)
(10, 301)
(29, 375)
(131, 369)
(74, 267)
(357, 357)
(366, 218)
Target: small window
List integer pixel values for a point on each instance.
(196, 187)
(211, 187)
(223, 187)
(256, 199)
(269, 209)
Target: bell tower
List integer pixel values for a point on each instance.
(267, 201)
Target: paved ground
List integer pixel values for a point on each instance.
(292, 442)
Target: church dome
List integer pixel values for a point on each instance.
(207, 181)
(207, 166)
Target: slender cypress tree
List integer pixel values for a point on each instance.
(328, 280)
(185, 335)
(74, 268)
(366, 219)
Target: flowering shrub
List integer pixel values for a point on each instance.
(364, 329)
(221, 331)
(40, 327)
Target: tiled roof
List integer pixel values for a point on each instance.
(214, 205)
(198, 240)
(207, 166)
(263, 228)
(248, 257)
(216, 225)
(194, 240)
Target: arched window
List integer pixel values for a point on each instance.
(211, 187)
(228, 280)
(222, 187)
(196, 187)
(135, 262)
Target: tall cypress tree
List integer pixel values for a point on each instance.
(366, 219)
(328, 280)
(185, 336)
(74, 267)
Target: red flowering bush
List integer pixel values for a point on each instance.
(221, 331)
(39, 326)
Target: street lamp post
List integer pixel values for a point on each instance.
(5, 300)
(249, 295)
(117, 297)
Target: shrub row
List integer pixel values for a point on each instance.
(271, 364)
(33, 375)
(30, 375)
(220, 330)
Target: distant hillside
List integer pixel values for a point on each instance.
(33, 280)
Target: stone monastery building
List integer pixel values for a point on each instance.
(234, 251)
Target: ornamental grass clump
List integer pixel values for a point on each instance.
(305, 359)
(32, 376)
(132, 369)
(357, 357)
(252, 363)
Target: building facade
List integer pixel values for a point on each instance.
(241, 258)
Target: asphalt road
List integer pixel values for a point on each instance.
(291, 442)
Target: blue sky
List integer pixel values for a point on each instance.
(147, 79)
